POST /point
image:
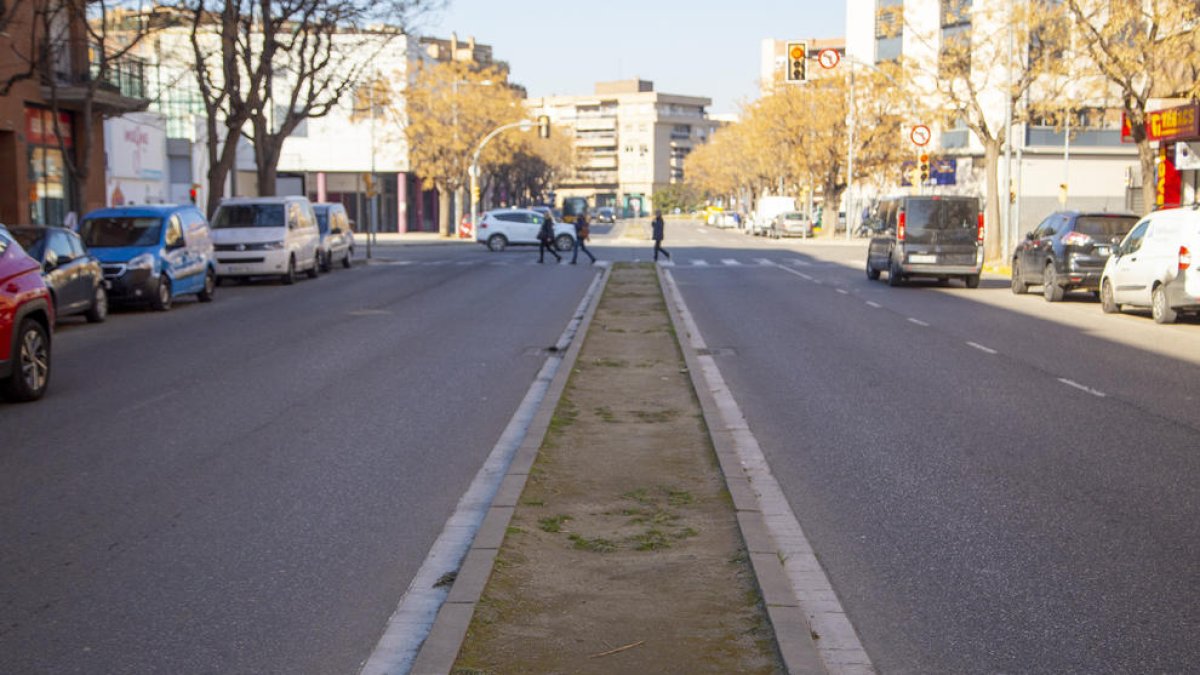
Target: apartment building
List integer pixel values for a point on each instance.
(630, 140)
(1073, 159)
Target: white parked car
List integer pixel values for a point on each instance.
(502, 228)
(266, 236)
(1152, 266)
(337, 240)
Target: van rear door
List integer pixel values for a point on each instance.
(941, 230)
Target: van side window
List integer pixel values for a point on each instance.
(294, 216)
(174, 232)
(1136, 237)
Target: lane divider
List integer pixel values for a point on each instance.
(1080, 387)
(986, 350)
(918, 322)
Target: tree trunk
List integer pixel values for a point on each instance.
(222, 158)
(267, 149)
(993, 238)
(444, 210)
(1148, 158)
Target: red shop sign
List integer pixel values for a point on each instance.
(39, 128)
(1172, 124)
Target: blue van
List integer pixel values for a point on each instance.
(152, 253)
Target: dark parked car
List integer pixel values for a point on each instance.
(606, 214)
(1067, 252)
(74, 276)
(26, 324)
(927, 236)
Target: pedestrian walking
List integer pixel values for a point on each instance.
(546, 240)
(656, 229)
(581, 235)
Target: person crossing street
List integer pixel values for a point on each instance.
(546, 241)
(656, 228)
(581, 235)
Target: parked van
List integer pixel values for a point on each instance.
(927, 236)
(152, 253)
(1152, 266)
(266, 236)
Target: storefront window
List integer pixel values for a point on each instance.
(49, 180)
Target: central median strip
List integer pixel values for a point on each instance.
(623, 551)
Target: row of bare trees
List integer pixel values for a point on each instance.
(1065, 55)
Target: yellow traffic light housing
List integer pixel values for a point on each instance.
(797, 62)
(923, 167)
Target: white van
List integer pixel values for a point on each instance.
(266, 236)
(1152, 266)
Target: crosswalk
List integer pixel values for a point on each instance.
(687, 263)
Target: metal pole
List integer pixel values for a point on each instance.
(371, 205)
(1006, 212)
(852, 121)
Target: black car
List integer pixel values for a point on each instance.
(926, 236)
(606, 214)
(1067, 251)
(74, 276)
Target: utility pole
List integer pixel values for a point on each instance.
(1006, 181)
(851, 122)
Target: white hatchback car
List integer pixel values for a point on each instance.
(501, 228)
(266, 236)
(1152, 266)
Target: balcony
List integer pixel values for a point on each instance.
(115, 87)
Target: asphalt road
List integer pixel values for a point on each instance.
(250, 485)
(993, 483)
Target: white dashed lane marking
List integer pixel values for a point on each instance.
(843, 291)
(700, 262)
(1080, 387)
(876, 305)
(731, 262)
(917, 321)
(986, 350)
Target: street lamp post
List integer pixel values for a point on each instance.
(851, 124)
(524, 125)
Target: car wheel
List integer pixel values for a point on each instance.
(1050, 288)
(316, 266)
(1160, 309)
(31, 372)
(497, 243)
(1108, 302)
(347, 262)
(872, 273)
(895, 276)
(564, 242)
(162, 295)
(1019, 287)
(289, 277)
(99, 309)
(210, 287)
(971, 280)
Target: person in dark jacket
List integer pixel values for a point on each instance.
(581, 233)
(656, 228)
(546, 240)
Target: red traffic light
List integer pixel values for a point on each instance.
(924, 158)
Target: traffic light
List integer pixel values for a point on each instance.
(797, 62)
(192, 194)
(923, 167)
(543, 126)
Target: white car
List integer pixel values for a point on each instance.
(1152, 266)
(502, 228)
(337, 240)
(266, 236)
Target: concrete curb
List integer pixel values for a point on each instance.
(793, 635)
(440, 649)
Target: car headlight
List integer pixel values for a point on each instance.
(143, 261)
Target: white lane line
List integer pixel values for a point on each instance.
(917, 321)
(409, 625)
(763, 261)
(700, 263)
(462, 263)
(1080, 387)
(435, 262)
(838, 646)
(876, 305)
(730, 261)
(986, 350)
(843, 291)
(666, 263)
(801, 263)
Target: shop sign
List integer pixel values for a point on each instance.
(1172, 124)
(1169, 183)
(39, 128)
(136, 147)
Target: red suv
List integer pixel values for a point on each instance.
(26, 317)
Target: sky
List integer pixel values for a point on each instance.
(692, 47)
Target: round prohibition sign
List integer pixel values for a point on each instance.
(828, 58)
(920, 134)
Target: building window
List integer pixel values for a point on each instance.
(681, 132)
(956, 38)
(889, 30)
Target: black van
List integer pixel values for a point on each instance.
(930, 236)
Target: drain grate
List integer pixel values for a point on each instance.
(717, 351)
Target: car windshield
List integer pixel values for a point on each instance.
(941, 214)
(1105, 226)
(323, 220)
(120, 231)
(33, 241)
(248, 215)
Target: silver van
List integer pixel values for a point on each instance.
(926, 236)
